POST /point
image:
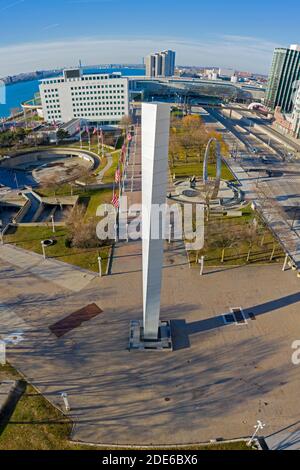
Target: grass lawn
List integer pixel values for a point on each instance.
(29, 238)
(185, 170)
(261, 249)
(37, 425)
(96, 198)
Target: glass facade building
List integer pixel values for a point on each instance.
(285, 71)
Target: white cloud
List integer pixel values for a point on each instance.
(244, 53)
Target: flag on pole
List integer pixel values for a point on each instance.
(118, 175)
(123, 153)
(115, 201)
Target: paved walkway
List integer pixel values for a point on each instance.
(286, 439)
(102, 173)
(63, 274)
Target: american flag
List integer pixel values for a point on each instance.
(115, 201)
(118, 175)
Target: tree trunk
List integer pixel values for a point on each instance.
(223, 255)
(262, 240)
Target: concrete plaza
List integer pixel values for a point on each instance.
(216, 383)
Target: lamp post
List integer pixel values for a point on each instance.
(285, 262)
(257, 427)
(64, 396)
(43, 249)
(201, 262)
(53, 225)
(100, 266)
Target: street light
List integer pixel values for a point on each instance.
(53, 225)
(43, 248)
(100, 266)
(201, 262)
(64, 396)
(257, 427)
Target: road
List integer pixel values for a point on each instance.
(271, 177)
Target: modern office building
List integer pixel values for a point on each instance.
(296, 115)
(285, 71)
(225, 72)
(101, 98)
(160, 64)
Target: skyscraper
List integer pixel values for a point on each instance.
(296, 115)
(285, 71)
(160, 64)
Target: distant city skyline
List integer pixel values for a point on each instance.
(224, 34)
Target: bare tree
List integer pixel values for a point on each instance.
(82, 230)
(250, 234)
(125, 122)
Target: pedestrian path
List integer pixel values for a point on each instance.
(62, 274)
(102, 173)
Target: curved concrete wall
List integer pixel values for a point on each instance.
(33, 156)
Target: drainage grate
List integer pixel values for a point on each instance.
(236, 316)
(229, 318)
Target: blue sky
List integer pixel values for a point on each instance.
(37, 34)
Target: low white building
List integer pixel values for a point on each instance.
(101, 98)
(296, 115)
(227, 73)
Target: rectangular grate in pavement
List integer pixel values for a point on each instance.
(74, 320)
(236, 316)
(228, 318)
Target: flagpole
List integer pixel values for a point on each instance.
(98, 137)
(80, 133)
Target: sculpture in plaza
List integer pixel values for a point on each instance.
(155, 148)
(217, 181)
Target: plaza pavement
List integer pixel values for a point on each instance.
(62, 274)
(218, 380)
